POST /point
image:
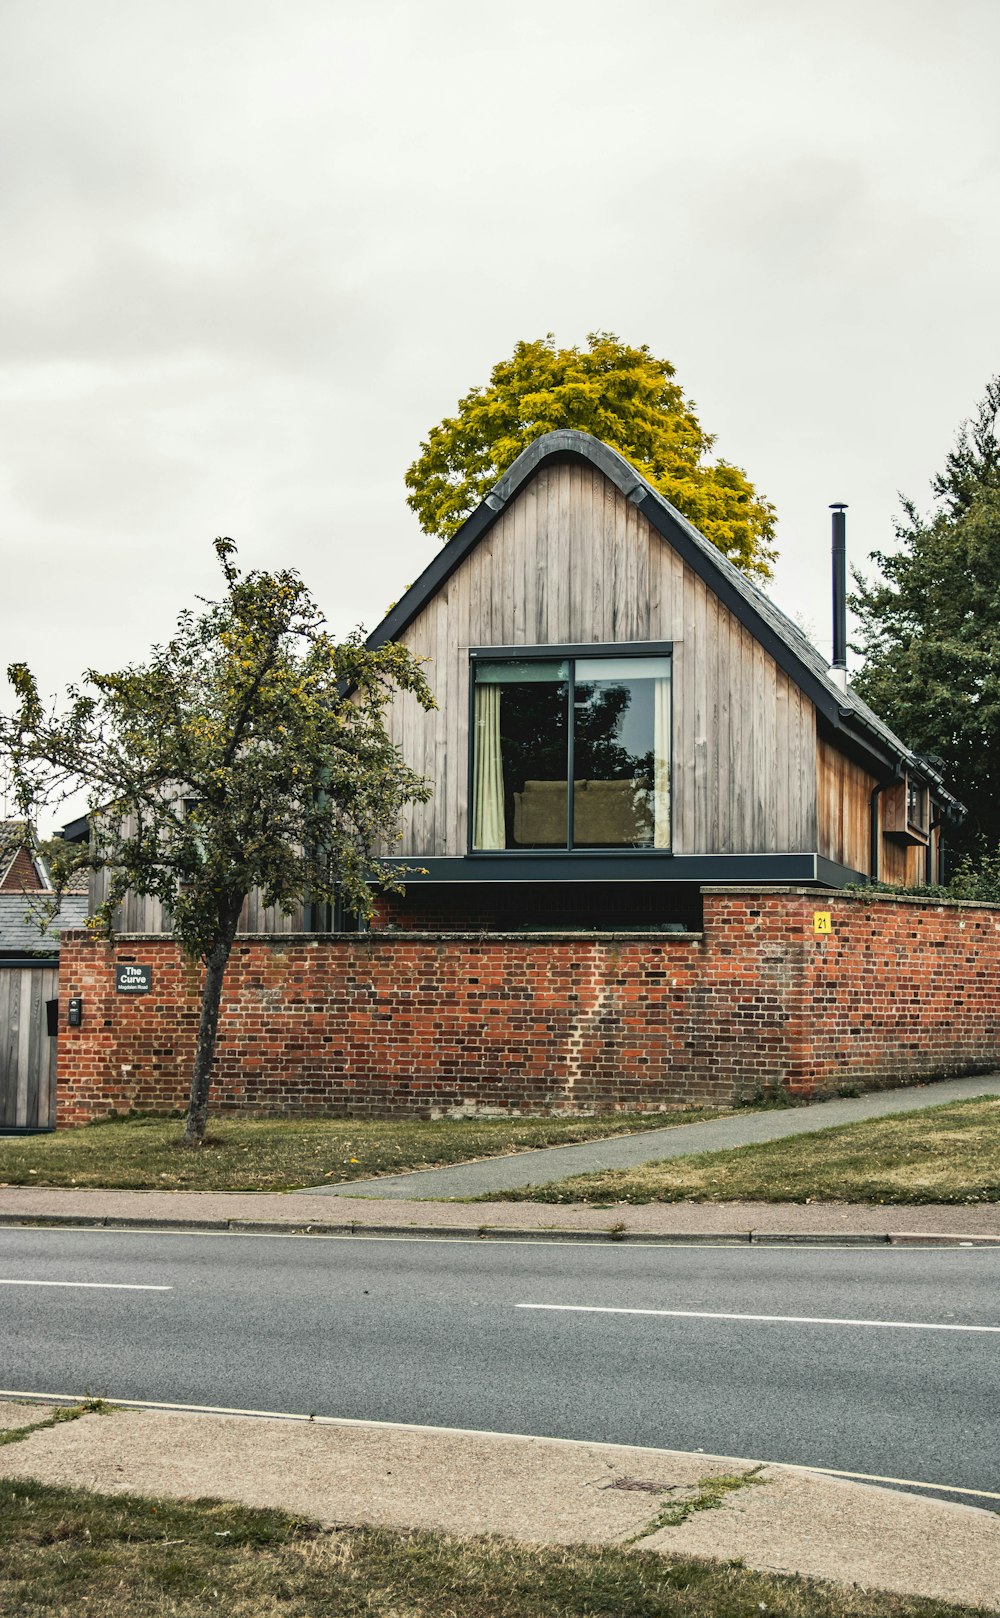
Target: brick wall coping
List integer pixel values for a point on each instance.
(397, 935)
(758, 888)
(928, 901)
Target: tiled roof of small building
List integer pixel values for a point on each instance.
(20, 933)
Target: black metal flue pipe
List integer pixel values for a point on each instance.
(839, 585)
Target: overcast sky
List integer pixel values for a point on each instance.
(254, 249)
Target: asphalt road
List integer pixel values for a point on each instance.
(867, 1373)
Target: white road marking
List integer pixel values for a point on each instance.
(469, 1432)
(100, 1286)
(874, 1477)
(788, 1320)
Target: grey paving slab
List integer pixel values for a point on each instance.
(655, 1145)
(530, 1489)
(241, 1211)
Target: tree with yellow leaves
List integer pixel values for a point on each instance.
(622, 395)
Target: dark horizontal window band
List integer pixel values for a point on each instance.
(626, 865)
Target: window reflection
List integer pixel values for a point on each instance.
(610, 715)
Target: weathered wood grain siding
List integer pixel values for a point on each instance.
(843, 805)
(571, 560)
(907, 864)
(844, 823)
(27, 1051)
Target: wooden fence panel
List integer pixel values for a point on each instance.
(27, 1050)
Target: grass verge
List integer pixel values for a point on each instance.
(282, 1154)
(64, 1552)
(948, 1154)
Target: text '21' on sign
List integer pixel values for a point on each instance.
(133, 979)
(822, 921)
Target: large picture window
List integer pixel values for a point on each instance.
(599, 724)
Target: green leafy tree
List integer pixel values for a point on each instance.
(249, 752)
(930, 625)
(624, 396)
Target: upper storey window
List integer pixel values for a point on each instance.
(600, 723)
(916, 804)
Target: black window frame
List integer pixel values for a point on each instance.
(565, 653)
(918, 793)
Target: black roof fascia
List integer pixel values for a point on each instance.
(819, 694)
(890, 767)
(436, 573)
(76, 831)
(504, 867)
(862, 749)
(834, 875)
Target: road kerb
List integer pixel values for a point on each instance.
(499, 1233)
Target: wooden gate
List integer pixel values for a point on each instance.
(27, 1048)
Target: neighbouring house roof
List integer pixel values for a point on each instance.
(19, 872)
(20, 867)
(845, 712)
(19, 929)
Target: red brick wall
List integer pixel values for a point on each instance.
(414, 1023)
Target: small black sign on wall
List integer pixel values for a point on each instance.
(133, 979)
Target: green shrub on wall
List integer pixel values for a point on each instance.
(977, 880)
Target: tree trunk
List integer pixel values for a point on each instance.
(216, 962)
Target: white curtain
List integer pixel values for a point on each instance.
(661, 762)
(487, 820)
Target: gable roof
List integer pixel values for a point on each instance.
(21, 868)
(859, 729)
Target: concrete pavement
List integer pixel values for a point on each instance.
(529, 1489)
(657, 1221)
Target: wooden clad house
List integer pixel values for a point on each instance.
(620, 709)
(622, 718)
(624, 721)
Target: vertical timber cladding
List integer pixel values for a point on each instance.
(572, 560)
(27, 1050)
(843, 808)
(142, 913)
(844, 822)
